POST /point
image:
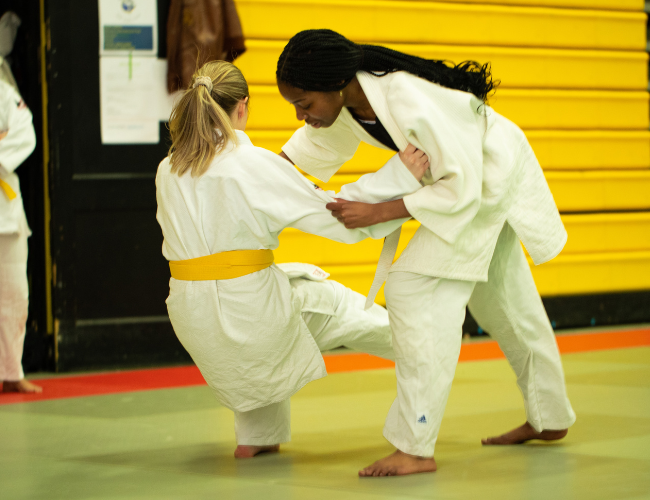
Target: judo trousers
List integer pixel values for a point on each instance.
(349, 326)
(14, 293)
(426, 316)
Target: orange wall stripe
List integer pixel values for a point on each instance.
(582, 342)
(338, 363)
(480, 351)
(187, 376)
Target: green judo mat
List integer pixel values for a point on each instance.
(178, 443)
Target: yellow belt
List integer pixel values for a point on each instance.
(221, 266)
(11, 194)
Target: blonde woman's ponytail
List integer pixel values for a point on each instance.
(200, 125)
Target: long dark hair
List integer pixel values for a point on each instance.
(325, 61)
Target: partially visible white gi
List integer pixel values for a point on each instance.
(15, 147)
(248, 335)
(484, 186)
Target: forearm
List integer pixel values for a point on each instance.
(354, 214)
(388, 216)
(391, 210)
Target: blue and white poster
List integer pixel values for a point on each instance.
(128, 27)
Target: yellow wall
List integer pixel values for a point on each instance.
(574, 77)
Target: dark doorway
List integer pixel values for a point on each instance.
(111, 280)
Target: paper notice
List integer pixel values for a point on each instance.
(129, 100)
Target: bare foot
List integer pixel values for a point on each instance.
(525, 433)
(399, 464)
(248, 451)
(24, 386)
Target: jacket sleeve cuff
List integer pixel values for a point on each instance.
(419, 205)
(406, 178)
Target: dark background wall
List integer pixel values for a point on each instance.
(110, 280)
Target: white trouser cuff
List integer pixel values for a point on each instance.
(264, 426)
(553, 424)
(416, 449)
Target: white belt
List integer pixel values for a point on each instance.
(383, 266)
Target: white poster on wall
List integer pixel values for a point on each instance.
(133, 81)
(128, 26)
(134, 99)
(129, 101)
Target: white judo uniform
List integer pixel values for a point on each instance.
(257, 338)
(15, 147)
(484, 192)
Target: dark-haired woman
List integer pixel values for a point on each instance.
(485, 192)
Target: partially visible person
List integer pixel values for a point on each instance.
(9, 24)
(17, 141)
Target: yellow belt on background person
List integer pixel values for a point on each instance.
(11, 194)
(221, 266)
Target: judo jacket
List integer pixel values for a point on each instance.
(483, 174)
(15, 147)
(246, 334)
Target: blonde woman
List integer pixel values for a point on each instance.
(254, 331)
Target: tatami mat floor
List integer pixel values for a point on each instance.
(178, 443)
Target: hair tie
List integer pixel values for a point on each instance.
(206, 81)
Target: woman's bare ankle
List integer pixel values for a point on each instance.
(23, 386)
(250, 451)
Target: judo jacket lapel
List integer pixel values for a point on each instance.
(376, 94)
